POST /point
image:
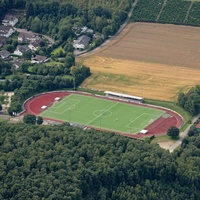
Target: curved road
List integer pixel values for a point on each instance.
(25, 31)
(112, 37)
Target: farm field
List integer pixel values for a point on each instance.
(102, 113)
(154, 61)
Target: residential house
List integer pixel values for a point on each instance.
(198, 126)
(21, 49)
(3, 41)
(39, 59)
(9, 20)
(4, 54)
(81, 30)
(81, 42)
(17, 63)
(6, 31)
(85, 29)
(35, 45)
(26, 37)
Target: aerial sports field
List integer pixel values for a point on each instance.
(102, 113)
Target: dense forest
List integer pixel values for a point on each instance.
(64, 162)
(190, 101)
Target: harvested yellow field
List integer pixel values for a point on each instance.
(151, 60)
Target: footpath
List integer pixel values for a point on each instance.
(182, 135)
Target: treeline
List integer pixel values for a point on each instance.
(5, 5)
(190, 101)
(56, 18)
(5, 68)
(25, 86)
(170, 11)
(63, 162)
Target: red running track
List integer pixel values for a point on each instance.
(159, 127)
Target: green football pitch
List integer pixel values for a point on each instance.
(102, 113)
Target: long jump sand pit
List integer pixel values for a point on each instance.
(151, 60)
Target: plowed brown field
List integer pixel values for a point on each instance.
(151, 60)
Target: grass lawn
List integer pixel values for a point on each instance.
(48, 64)
(57, 50)
(2, 120)
(102, 113)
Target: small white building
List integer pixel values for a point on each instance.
(6, 31)
(21, 49)
(39, 59)
(34, 45)
(9, 20)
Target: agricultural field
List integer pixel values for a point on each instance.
(174, 12)
(154, 61)
(147, 10)
(168, 11)
(102, 113)
(194, 15)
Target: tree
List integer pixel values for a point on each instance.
(0, 107)
(27, 55)
(39, 120)
(29, 119)
(36, 25)
(173, 131)
(29, 10)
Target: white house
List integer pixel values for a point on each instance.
(85, 29)
(6, 31)
(21, 49)
(39, 59)
(81, 42)
(9, 20)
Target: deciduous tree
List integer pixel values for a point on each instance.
(173, 131)
(29, 119)
(39, 120)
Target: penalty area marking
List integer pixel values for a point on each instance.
(67, 109)
(151, 120)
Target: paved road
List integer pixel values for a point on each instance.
(112, 37)
(182, 135)
(51, 41)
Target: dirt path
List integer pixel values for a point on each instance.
(164, 3)
(112, 37)
(186, 17)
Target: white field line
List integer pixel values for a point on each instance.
(152, 119)
(102, 113)
(62, 103)
(69, 108)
